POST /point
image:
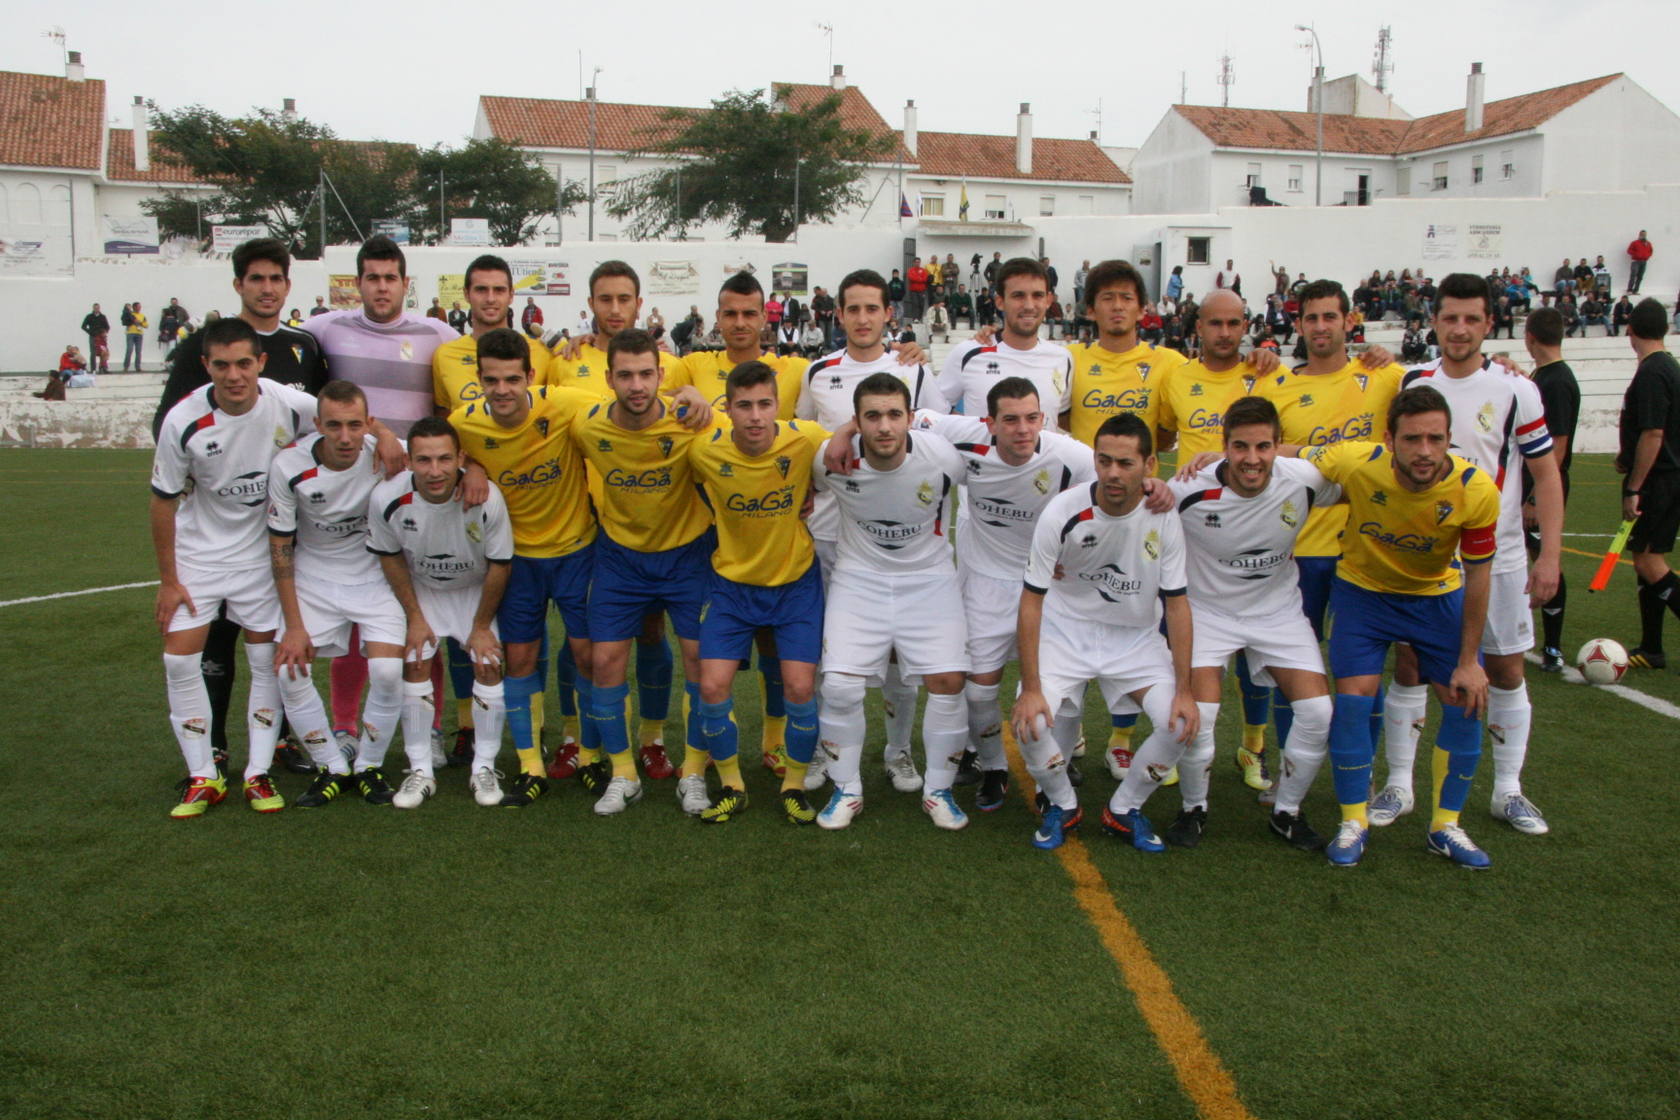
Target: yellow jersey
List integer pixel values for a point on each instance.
(455, 371)
(588, 371)
(1401, 542)
(1316, 409)
(1193, 400)
(648, 502)
(1106, 384)
(708, 371)
(756, 501)
(537, 468)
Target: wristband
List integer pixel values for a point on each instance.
(1626, 493)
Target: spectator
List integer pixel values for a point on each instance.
(787, 337)
(936, 279)
(1571, 316)
(134, 330)
(1563, 280)
(1583, 277)
(1173, 337)
(1228, 277)
(812, 340)
(1050, 269)
(1601, 279)
(1151, 327)
(682, 335)
(992, 267)
(435, 311)
(1593, 314)
(457, 317)
(1278, 322)
(1280, 278)
(170, 322)
(950, 275)
(531, 318)
(985, 310)
(895, 295)
(96, 326)
(1503, 318)
(1079, 283)
(1355, 325)
(585, 324)
(822, 308)
(655, 323)
(961, 306)
(1414, 345)
(916, 289)
(939, 322)
(1175, 283)
(320, 307)
(773, 312)
(295, 319)
(1620, 314)
(1638, 251)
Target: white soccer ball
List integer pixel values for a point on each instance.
(1602, 661)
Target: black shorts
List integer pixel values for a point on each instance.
(1659, 517)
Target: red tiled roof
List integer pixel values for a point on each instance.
(856, 111)
(1290, 131)
(119, 161)
(539, 122)
(50, 122)
(952, 155)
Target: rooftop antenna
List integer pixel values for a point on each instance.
(1382, 64)
(1227, 78)
(1097, 112)
(1183, 87)
(828, 29)
(57, 35)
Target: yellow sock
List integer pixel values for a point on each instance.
(588, 756)
(775, 732)
(694, 761)
(729, 772)
(1254, 738)
(531, 761)
(537, 718)
(1356, 813)
(624, 765)
(1120, 737)
(464, 713)
(795, 776)
(1440, 763)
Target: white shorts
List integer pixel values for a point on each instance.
(1122, 660)
(449, 612)
(825, 551)
(991, 606)
(1510, 623)
(248, 594)
(870, 616)
(1284, 640)
(329, 611)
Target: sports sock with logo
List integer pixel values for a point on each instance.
(723, 741)
(1303, 754)
(218, 669)
(1403, 716)
(262, 709)
(487, 723)
(985, 725)
(695, 759)
(1154, 759)
(1458, 747)
(1120, 730)
(842, 723)
(516, 698)
(801, 742)
(1195, 767)
(189, 711)
(900, 701)
(382, 711)
(1551, 616)
(461, 683)
(606, 715)
(1047, 765)
(1257, 707)
(775, 704)
(1509, 717)
(944, 737)
(417, 725)
(1650, 617)
(309, 717)
(1350, 754)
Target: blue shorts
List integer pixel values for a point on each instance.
(1364, 624)
(737, 611)
(1314, 575)
(536, 581)
(629, 584)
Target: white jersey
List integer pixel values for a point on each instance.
(1114, 569)
(1240, 552)
(1002, 501)
(326, 510)
(893, 522)
(825, 396)
(447, 546)
(1497, 422)
(972, 369)
(218, 465)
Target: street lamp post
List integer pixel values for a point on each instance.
(591, 92)
(1318, 104)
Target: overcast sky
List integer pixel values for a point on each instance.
(413, 71)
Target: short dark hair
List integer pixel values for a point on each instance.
(381, 248)
(1106, 274)
(1545, 326)
(1128, 424)
(228, 330)
(614, 268)
(434, 426)
(1253, 410)
(505, 345)
(748, 375)
(1464, 285)
(270, 249)
(488, 262)
(632, 341)
(1027, 266)
(1324, 289)
(1009, 388)
(862, 278)
(1649, 320)
(881, 385)
(1416, 401)
(742, 283)
(341, 391)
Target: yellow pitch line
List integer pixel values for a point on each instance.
(1200, 1073)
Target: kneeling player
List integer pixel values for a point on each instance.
(448, 566)
(764, 577)
(1100, 570)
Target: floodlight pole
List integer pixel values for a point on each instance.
(1318, 104)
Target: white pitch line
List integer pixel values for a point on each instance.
(1644, 700)
(73, 594)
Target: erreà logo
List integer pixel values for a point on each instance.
(1379, 498)
(727, 470)
(1196, 389)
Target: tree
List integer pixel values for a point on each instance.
(758, 166)
(487, 179)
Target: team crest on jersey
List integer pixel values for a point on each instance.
(491, 443)
(1306, 399)
(727, 470)
(297, 354)
(1484, 416)
(1379, 498)
(783, 465)
(1443, 510)
(665, 445)
(604, 446)
(281, 436)
(1289, 514)
(924, 493)
(1248, 384)
(1041, 481)
(407, 351)
(1143, 371)
(1363, 381)
(542, 426)
(1196, 389)
(1152, 545)
(475, 532)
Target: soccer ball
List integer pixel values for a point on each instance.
(1602, 661)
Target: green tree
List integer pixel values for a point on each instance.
(489, 179)
(743, 162)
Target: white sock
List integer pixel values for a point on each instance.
(1159, 754)
(944, 737)
(1509, 715)
(189, 711)
(381, 711)
(985, 725)
(1048, 764)
(262, 710)
(1303, 754)
(489, 713)
(309, 717)
(1403, 712)
(417, 725)
(1196, 766)
(842, 724)
(900, 701)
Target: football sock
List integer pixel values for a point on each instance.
(1283, 715)
(606, 715)
(417, 725)
(1350, 754)
(571, 699)
(654, 665)
(842, 723)
(801, 742)
(899, 700)
(1120, 730)
(262, 710)
(461, 683)
(985, 725)
(1194, 767)
(345, 679)
(189, 711)
(1047, 765)
(1509, 716)
(487, 723)
(218, 669)
(1650, 618)
(1257, 707)
(1551, 616)
(1377, 710)
(723, 740)
(1303, 753)
(1403, 716)
(382, 711)
(695, 759)
(1158, 754)
(774, 727)
(944, 738)
(1458, 746)
(516, 698)
(307, 714)
(588, 736)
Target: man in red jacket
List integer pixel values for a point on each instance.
(1639, 250)
(918, 290)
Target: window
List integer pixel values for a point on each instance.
(1403, 180)
(27, 207)
(1475, 169)
(1507, 165)
(605, 173)
(997, 208)
(1087, 204)
(1046, 205)
(1253, 177)
(933, 206)
(1198, 250)
(1295, 177)
(1440, 177)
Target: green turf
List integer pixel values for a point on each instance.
(458, 961)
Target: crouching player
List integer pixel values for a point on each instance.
(765, 576)
(1100, 570)
(448, 566)
(1241, 517)
(1413, 508)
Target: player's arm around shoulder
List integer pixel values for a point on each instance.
(1336, 461)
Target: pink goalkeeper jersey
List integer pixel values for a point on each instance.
(392, 362)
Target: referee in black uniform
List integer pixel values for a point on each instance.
(1650, 458)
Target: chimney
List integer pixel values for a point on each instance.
(1473, 88)
(838, 81)
(73, 69)
(1023, 139)
(288, 110)
(1093, 136)
(910, 127)
(142, 136)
